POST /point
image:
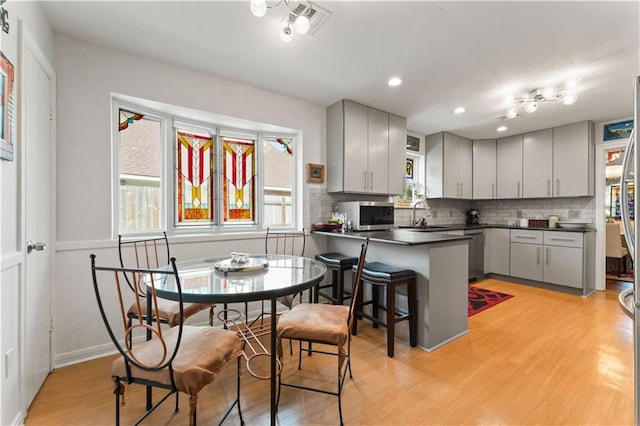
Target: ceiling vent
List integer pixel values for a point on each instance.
(317, 15)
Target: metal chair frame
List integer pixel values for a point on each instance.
(147, 252)
(342, 370)
(128, 353)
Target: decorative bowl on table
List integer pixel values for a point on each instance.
(325, 227)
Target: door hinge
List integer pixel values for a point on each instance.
(50, 112)
(51, 324)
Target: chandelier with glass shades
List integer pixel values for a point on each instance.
(299, 15)
(568, 95)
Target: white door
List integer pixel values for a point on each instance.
(38, 90)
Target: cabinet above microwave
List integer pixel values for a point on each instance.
(365, 150)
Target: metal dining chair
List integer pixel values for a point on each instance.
(326, 325)
(178, 359)
(151, 253)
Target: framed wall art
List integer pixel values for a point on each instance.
(7, 108)
(409, 169)
(315, 173)
(618, 130)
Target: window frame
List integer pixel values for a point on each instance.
(173, 118)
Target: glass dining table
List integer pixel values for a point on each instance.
(260, 277)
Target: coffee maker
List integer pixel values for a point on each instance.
(473, 217)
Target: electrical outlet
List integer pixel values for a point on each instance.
(434, 214)
(450, 213)
(519, 214)
(8, 363)
(574, 214)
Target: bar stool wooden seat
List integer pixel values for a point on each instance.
(337, 263)
(383, 276)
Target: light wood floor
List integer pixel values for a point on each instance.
(540, 357)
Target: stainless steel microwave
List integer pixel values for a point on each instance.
(368, 215)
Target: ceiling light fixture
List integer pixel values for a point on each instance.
(394, 81)
(300, 15)
(459, 110)
(502, 128)
(532, 100)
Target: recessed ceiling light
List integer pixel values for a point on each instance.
(501, 128)
(459, 110)
(395, 81)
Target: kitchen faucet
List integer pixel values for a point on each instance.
(413, 215)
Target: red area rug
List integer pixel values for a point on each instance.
(481, 299)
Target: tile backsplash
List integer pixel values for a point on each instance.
(499, 211)
(447, 211)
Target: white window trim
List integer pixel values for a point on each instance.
(172, 117)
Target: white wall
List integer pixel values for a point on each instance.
(87, 75)
(12, 410)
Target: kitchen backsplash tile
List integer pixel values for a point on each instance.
(444, 211)
(499, 211)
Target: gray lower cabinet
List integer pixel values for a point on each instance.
(554, 257)
(526, 261)
(496, 257)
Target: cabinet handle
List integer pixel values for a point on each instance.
(547, 256)
(557, 186)
(365, 180)
(549, 187)
(525, 237)
(518, 189)
(563, 239)
(371, 183)
(461, 190)
(493, 192)
(538, 255)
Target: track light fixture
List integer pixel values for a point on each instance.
(532, 100)
(299, 16)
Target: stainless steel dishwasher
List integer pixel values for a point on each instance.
(476, 253)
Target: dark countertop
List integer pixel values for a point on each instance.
(432, 234)
(457, 227)
(409, 237)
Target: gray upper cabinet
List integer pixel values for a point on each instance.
(556, 162)
(449, 161)
(537, 164)
(573, 160)
(365, 149)
(509, 167)
(484, 169)
(397, 153)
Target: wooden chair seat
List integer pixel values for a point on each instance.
(169, 311)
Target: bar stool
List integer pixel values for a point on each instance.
(380, 275)
(337, 263)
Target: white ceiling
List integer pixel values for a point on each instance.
(448, 53)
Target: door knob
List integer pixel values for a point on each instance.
(37, 246)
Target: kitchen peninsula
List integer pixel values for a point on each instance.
(440, 262)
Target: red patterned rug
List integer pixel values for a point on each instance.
(481, 299)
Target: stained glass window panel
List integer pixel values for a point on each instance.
(194, 179)
(239, 180)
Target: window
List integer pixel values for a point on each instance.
(140, 172)
(183, 174)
